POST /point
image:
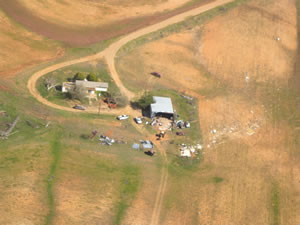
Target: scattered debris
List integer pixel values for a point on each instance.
(219, 134)
(136, 146)
(6, 134)
(146, 144)
(181, 124)
(190, 150)
(187, 97)
(109, 141)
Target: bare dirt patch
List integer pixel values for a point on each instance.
(258, 39)
(21, 48)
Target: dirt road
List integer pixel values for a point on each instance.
(109, 55)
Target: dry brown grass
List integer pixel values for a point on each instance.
(83, 193)
(253, 167)
(21, 48)
(244, 41)
(23, 187)
(95, 13)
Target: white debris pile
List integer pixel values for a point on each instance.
(109, 141)
(181, 124)
(189, 150)
(219, 134)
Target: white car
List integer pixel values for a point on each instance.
(122, 117)
(138, 120)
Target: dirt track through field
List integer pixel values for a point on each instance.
(109, 55)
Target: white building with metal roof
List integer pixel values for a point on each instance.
(162, 106)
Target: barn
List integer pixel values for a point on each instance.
(162, 107)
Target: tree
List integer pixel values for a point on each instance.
(50, 82)
(116, 98)
(145, 101)
(121, 100)
(78, 92)
(79, 76)
(91, 77)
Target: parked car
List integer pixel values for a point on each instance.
(122, 117)
(80, 107)
(138, 120)
(180, 133)
(156, 74)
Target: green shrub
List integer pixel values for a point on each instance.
(79, 76)
(91, 77)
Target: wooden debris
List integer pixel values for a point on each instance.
(6, 134)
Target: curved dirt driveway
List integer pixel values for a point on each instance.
(109, 55)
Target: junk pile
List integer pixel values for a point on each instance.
(181, 124)
(190, 150)
(220, 134)
(109, 141)
(146, 145)
(8, 132)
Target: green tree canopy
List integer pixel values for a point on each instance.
(91, 77)
(145, 100)
(79, 76)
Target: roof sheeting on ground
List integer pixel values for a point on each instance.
(162, 105)
(136, 146)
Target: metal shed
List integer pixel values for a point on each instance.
(162, 106)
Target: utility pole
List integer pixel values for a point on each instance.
(99, 107)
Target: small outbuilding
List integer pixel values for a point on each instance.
(162, 106)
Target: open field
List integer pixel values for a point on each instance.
(247, 113)
(57, 27)
(21, 48)
(95, 13)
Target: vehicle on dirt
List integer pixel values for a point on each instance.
(156, 74)
(138, 120)
(150, 153)
(79, 107)
(180, 133)
(122, 117)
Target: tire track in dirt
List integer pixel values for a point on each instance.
(109, 55)
(162, 187)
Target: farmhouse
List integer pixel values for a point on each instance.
(162, 106)
(90, 86)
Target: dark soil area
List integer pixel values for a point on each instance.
(84, 36)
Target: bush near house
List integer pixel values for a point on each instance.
(79, 76)
(144, 101)
(91, 77)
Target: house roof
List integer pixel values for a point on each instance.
(91, 84)
(162, 105)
